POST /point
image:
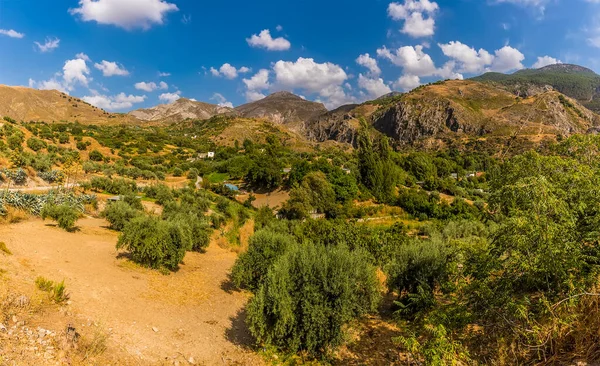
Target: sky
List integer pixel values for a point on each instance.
(122, 55)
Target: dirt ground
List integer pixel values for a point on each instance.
(272, 199)
(191, 315)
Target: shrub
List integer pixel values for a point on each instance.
(160, 192)
(35, 144)
(57, 291)
(177, 172)
(155, 243)
(65, 215)
(264, 248)
(118, 214)
(96, 155)
(416, 270)
(309, 295)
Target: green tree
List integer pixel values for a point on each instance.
(309, 295)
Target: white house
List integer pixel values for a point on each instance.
(211, 154)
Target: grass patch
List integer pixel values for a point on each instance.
(217, 177)
(57, 291)
(4, 249)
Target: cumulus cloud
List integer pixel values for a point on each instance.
(412, 59)
(114, 103)
(325, 79)
(49, 45)
(266, 41)
(221, 100)
(308, 75)
(472, 61)
(260, 81)
(111, 69)
(253, 95)
(83, 56)
(375, 87)
(545, 61)
(229, 72)
(507, 59)
(11, 33)
(418, 16)
(74, 72)
(370, 63)
(170, 97)
(407, 82)
(152, 86)
(128, 14)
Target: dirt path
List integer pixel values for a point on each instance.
(151, 317)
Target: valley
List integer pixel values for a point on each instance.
(453, 224)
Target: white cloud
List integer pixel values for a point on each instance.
(127, 14)
(325, 79)
(164, 74)
(152, 86)
(412, 59)
(170, 97)
(418, 16)
(370, 63)
(279, 28)
(507, 59)
(111, 69)
(470, 60)
(49, 45)
(545, 61)
(114, 103)
(375, 87)
(228, 71)
(408, 82)
(266, 41)
(221, 100)
(253, 96)
(308, 75)
(83, 56)
(11, 33)
(260, 81)
(75, 72)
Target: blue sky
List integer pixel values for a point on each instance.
(127, 54)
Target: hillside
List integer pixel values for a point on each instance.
(455, 109)
(26, 104)
(574, 81)
(178, 111)
(283, 108)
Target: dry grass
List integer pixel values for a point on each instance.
(14, 216)
(4, 249)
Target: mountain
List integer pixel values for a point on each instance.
(282, 107)
(178, 111)
(577, 82)
(26, 104)
(458, 109)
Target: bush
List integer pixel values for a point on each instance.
(416, 270)
(177, 172)
(35, 144)
(309, 295)
(155, 243)
(118, 214)
(96, 155)
(64, 215)
(264, 248)
(160, 192)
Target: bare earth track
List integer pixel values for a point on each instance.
(151, 318)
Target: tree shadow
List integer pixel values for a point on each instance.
(238, 333)
(228, 286)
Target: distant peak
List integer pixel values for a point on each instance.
(567, 68)
(283, 94)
